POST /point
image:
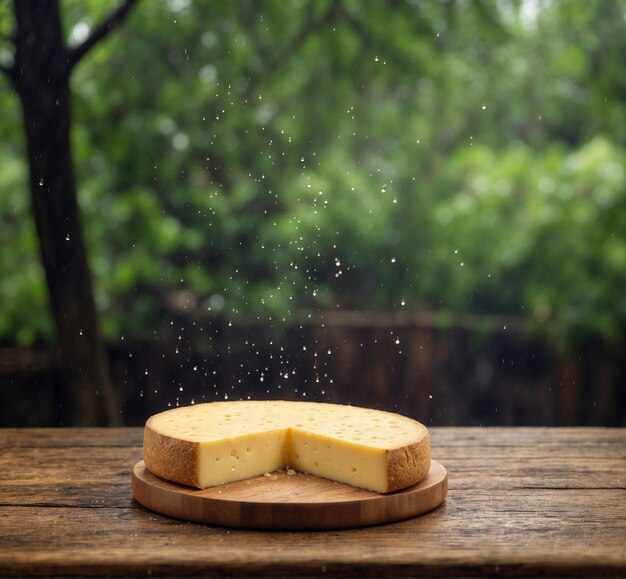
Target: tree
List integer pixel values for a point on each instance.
(40, 73)
(251, 163)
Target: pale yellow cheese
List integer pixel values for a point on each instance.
(210, 444)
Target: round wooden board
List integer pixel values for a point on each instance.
(288, 501)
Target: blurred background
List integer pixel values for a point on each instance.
(418, 206)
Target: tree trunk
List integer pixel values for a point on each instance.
(41, 77)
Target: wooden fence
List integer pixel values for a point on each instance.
(464, 371)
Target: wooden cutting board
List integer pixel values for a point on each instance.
(288, 501)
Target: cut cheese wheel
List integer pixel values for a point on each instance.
(210, 444)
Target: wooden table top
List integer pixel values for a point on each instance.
(521, 501)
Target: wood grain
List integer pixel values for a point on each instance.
(521, 502)
(284, 500)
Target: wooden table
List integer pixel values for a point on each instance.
(521, 501)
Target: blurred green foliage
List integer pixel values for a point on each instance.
(268, 158)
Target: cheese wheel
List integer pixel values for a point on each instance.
(219, 442)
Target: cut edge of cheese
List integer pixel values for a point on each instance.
(180, 445)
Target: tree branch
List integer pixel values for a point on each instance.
(293, 46)
(115, 19)
(358, 28)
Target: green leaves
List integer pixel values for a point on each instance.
(290, 156)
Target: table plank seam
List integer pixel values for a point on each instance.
(130, 505)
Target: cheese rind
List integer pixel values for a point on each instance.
(220, 442)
